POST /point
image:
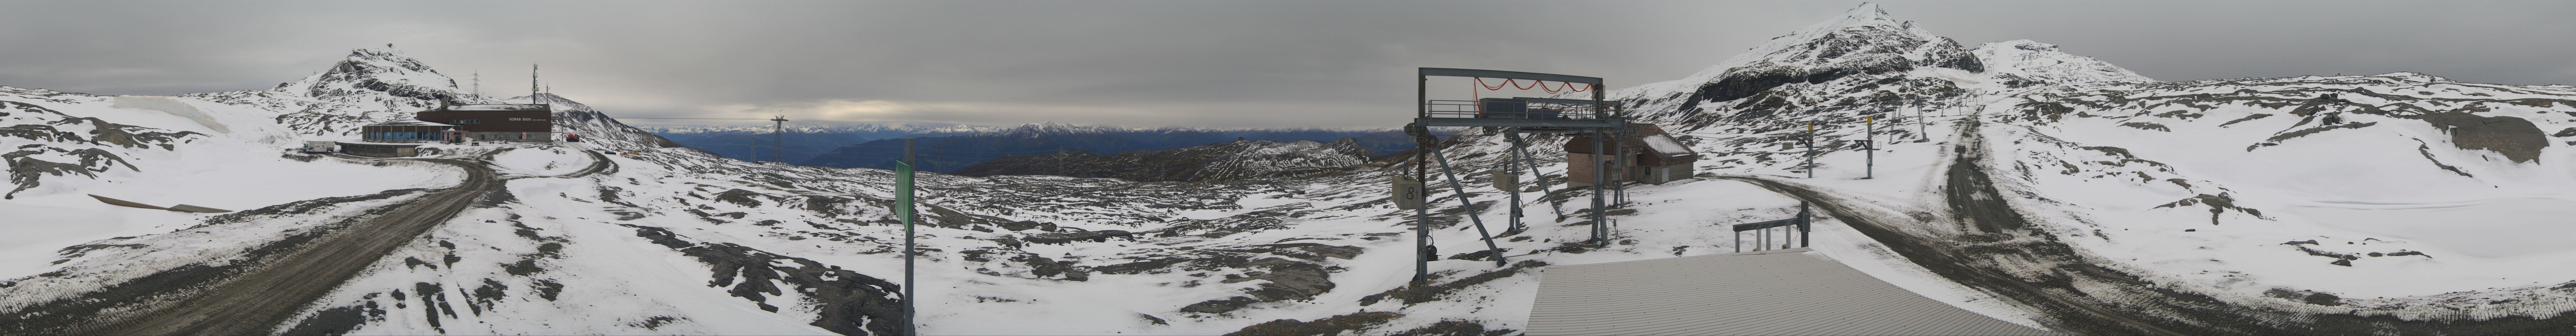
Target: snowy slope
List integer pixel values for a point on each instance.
(666, 239)
(2462, 175)
(2422, 199)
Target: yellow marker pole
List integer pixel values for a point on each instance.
(1869, 148)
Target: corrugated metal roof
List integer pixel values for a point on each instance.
(1782, 292)
(495, 107)
(408, 123)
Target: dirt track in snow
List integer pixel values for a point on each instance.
(2001, 252)
(260, 300)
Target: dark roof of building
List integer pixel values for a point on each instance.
(1647, 136)
(1782, 292)
(495, 107)
(408, 123)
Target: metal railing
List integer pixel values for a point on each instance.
(1493, 109)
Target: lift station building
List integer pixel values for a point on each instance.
(405, 131)
(496, 122)
(1653, 157)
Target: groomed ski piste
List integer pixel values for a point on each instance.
(2129, 206)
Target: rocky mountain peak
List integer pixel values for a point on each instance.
(370, 72)
(1862, 53)
(376, 80)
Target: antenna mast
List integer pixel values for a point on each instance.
(532, 83)
(778, 142)
(478, 85)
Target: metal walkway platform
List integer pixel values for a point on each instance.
(1779, 292)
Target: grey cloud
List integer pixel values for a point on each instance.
(1167, 63)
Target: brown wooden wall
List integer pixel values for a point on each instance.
(493, 121)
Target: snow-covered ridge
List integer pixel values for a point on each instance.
(1863, 60)
(672, 240)
(2023, 63)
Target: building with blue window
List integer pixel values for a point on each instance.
(407, 130)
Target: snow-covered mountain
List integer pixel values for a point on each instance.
(622, 233)
(2211, 206)
(1860, 64)
(2013, 180)
(2024, 63)
(371, 85)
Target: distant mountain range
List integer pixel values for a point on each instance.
(1224, 161)
(949, 153)
(804, 142)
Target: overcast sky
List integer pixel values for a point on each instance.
(1182, 63)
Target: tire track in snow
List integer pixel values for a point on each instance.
(1996, 234)
(256, 302)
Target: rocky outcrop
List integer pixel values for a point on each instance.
(2517, 139)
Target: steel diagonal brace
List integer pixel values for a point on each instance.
(1471, 206)
(1521, 149)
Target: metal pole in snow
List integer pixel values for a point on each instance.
(1598, 179)
(1811, 150)
(1421, 220)
(1804, 230)
(1515, 186)
(1619, 187)
(1869, 149)
(1421, 170)
(903, 191)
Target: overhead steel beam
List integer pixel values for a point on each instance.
(1510, 75)
(1564, 101)
(1499, 122)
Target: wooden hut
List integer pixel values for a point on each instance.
(1653, 157)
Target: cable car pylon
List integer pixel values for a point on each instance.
(1510, 116)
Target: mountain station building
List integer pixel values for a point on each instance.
(496, 122)
(405, 131)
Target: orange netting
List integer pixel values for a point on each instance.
(1541, 85)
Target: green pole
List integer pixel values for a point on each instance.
(904, 210)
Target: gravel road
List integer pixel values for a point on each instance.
(261, 299)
